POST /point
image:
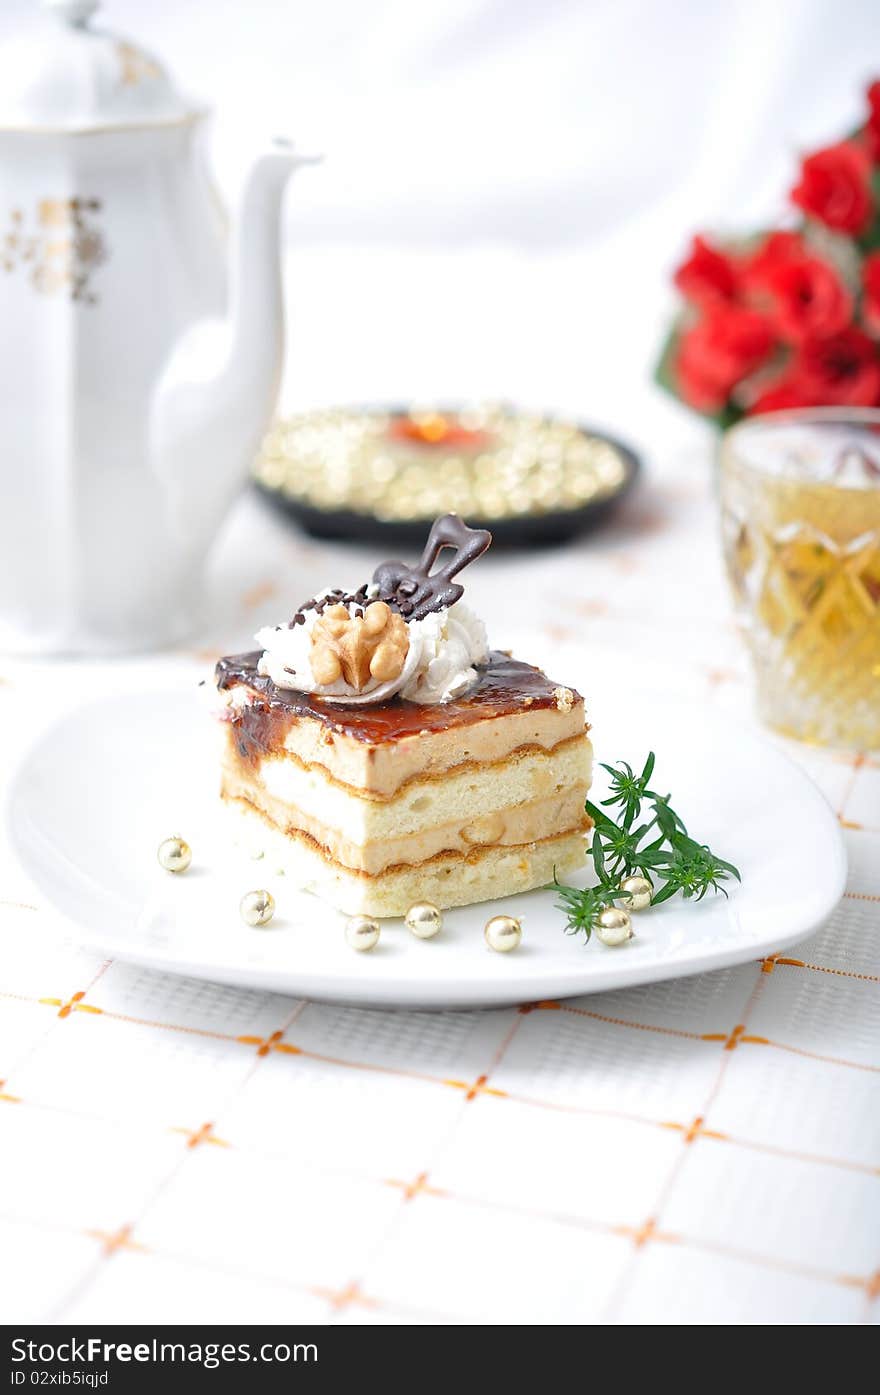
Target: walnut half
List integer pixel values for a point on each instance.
(359, 648)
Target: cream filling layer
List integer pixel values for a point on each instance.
(450, 880)
(541, 818)
(423, 804)
(381, 770)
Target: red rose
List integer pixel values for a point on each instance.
(872, 129)
(781, 396)
(841, 371)
(834, 187)
(871, 287)
(808, 300)
(707, 275)
(718, 352)
(777, 249)
(786, 392)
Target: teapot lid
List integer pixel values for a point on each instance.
(63, 75)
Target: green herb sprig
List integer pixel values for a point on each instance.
(659, 848)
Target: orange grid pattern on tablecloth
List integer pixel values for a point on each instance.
(702, 1150)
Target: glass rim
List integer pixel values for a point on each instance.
(735, 440)
(855, 416)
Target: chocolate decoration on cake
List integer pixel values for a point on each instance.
(412, 591)
(504, 685)
(417, 591)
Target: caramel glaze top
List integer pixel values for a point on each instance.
(503, 686)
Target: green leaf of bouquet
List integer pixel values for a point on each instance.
(869, 240)
(664, 375)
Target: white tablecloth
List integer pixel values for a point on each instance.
(704, 1150)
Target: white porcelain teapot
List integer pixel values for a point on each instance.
(133, 388)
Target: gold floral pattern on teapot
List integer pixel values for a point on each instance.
(58, 248)
(136, 66)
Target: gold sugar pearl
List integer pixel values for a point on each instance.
(640, 893)
(424, 920)
(174, 854)
(614, 926)
(362, 932)
(257, 907)
(503, 933)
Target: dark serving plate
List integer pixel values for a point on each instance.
(529, 528)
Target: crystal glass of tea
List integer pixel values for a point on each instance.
(800, 498)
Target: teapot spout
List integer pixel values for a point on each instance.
(220, 384)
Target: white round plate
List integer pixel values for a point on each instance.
(99, 791)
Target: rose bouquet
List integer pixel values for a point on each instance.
(789, 318)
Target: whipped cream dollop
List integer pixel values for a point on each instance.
(444, 648)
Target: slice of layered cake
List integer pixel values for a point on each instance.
(380, 753)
